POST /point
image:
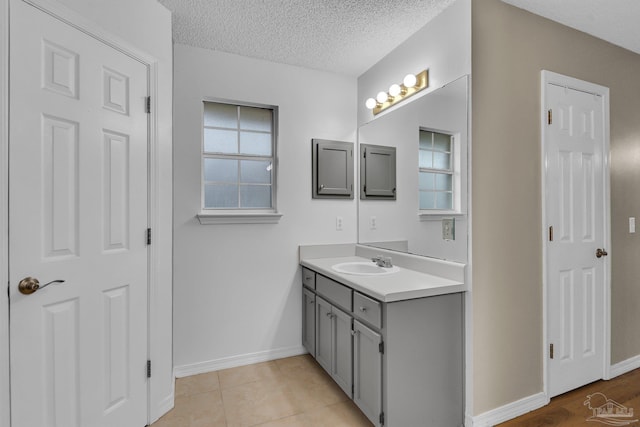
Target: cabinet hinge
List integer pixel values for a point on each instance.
(147, 105)
(148, 236)
(148, 368)
(381, 347)
(549, 116)
(551, 351)
(551, 233)
(381, 418)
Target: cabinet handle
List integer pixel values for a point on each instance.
(363, 309)
(307, 278)
(312, 302)
(329, 315)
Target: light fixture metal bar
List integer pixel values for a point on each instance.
(422, 82)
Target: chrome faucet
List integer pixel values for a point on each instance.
(382, 261)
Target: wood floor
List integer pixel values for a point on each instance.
(569, 409)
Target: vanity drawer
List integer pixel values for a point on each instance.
(308, 278)
(367, 309)
(334, 291)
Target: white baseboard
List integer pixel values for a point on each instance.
(235, 361)
(163, 407)
(624, 366)
(510, 411)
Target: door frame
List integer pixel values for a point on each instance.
(548, 77)
(155, 164)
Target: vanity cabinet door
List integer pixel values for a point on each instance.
(323, 334)
(367, 371)
(342, 371)
(334, 343)
(309, 321)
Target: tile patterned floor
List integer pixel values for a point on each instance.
(291, 392)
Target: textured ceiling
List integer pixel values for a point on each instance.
(341, 36)
(616, 21)
(349, 36)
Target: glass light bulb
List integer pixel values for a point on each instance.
(394, 90)
(370, 103)
(410, 80)
(382, 97)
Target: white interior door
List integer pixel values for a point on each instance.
(577, 217)
(78, 213)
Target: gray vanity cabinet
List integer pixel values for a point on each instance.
(401, 361)
(334, 350)
(367, 371)
(308, 316)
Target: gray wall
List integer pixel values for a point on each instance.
(509, 48)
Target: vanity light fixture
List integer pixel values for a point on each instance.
(411, 84)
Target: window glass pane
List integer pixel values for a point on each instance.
(443, 200)
(426, 159)
(443, 182)
(426, 180)
(255, 119)
(255, 196)
(441, 160)
(255, 171)
(220, 141)
(427, 200)
(441, 142)
(426, 139)
(220, 115)
(221, 196)
(255, 143)
(220, 170)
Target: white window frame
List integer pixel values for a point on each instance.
(240, 215)
(456, 176)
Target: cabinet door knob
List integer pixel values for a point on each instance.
(363, 309)
(354, 333)
(312, 302)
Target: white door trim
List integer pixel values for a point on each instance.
(5, 396)
(580, 85)
(81, 23)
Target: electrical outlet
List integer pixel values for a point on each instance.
(339, 223)
(449, 228)
(373, 223)
(632, 224)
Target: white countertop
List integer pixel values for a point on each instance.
(403, 285)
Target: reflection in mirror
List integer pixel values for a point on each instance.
(430, 135)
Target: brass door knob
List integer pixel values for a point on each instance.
(600, 253)
(29, 285)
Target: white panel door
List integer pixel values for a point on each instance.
(78, 213)
(576, 209)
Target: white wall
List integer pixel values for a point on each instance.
(144, 25)
(443, 46)
(237, 288)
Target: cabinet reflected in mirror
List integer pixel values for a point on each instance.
(430, 136)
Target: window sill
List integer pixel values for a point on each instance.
(438, 215)
(239, 218)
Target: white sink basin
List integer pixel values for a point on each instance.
(363, 268)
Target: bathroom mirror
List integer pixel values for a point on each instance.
(400, 224)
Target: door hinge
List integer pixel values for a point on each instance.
(353, 389)
(148, 368)
(549, 116)
(381, 347)
(551, 351)
(381, 418)
(147, 105)
(551, 233)
(148, 236)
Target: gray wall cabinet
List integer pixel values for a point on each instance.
(377, 172)
(332, 169)
(401, 362)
